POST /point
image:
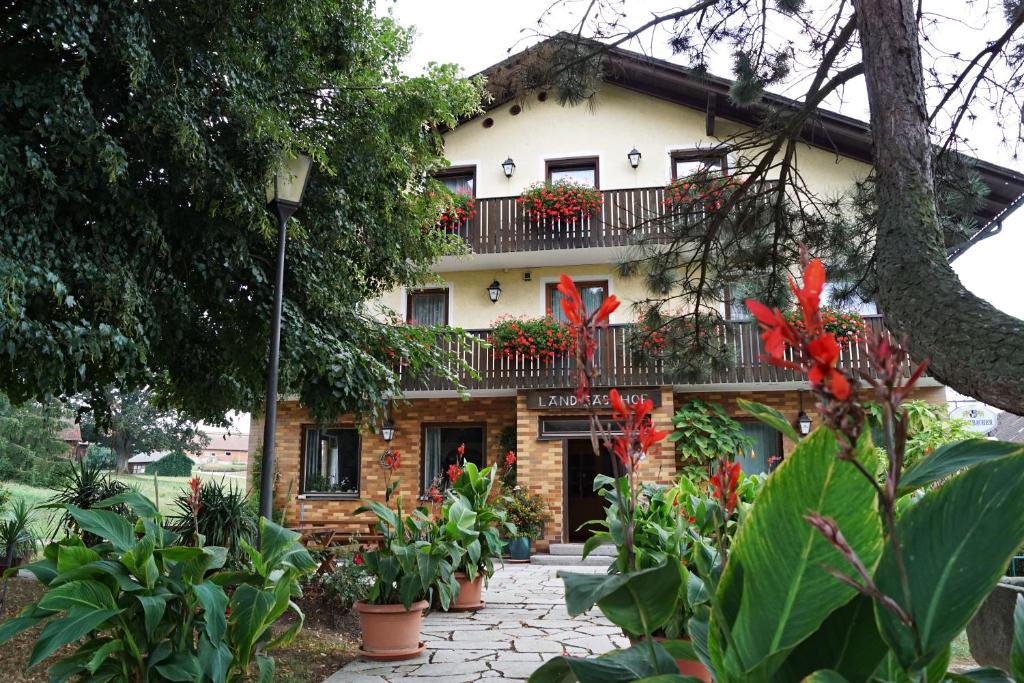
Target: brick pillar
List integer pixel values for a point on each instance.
(539, 470)
(660, 466)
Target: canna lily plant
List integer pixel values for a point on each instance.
(831, 576)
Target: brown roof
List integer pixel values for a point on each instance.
(228, 442)
(71, 433)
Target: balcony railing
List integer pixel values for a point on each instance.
(501, 224)
(620, 366)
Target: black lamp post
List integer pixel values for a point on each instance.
(284, 196)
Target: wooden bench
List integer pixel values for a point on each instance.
(327, 535)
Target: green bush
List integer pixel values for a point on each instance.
(344, 586)
(142, 607)
(84, 485)
(703, 433)
(174, 464)
(102, 456)
(527, 511)
(225, 519)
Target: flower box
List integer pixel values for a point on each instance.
(537, 338)
(563, 200)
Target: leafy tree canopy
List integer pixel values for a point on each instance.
(135, 424)
(135, 143)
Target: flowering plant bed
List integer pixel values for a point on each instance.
(543, 338)
(564, 199)
(700, 190)
(845, 326)
(461, 208)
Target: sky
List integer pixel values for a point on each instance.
(478, 33)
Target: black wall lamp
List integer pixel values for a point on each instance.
(509, 167)
(634, 157)
(494, 291)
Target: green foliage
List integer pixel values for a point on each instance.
(141, 607)
(134, 422)
(929, 427)
(83, 485)
(101, 456)
(140, 204)
(343, 587)
(770, 416)
(225, 519)
(412, 561)
(703, 434)
(174, 464)
(16, 537)
(30, 451)
(526, 511)
(472, 523)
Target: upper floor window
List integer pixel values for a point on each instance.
(583, 170)
(331, 461)
(459, 179)
(427, 307)
(690, 161)
(594, 293)
(736, 295)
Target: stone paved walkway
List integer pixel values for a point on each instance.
(523, 625)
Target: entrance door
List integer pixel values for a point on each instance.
(582, 503)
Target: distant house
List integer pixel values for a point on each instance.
(1009, 427)
(71, 434)
(137, 463)
(225, 448)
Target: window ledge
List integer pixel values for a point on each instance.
(328, 496)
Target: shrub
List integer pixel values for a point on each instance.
(16, 536)
(346, 585)
(527, 511)
(146, 608)
(225, 519)
(174, 464)
(102, 456)
(563, 200)
(543, 338)
(84, 485)
(703, 433)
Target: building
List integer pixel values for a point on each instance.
(71, 434)
(225, 448)
(661, 110)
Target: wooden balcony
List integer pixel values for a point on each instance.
(620, 367)
(501, 224)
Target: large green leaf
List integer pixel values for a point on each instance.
(644, 660)
(153, 608)
(86, 593)
(104, 651)
(60, 632)
(639, 602)
(774, 592)
(214, 601)
(180, 666)
(70, 557)
(105, 524)
(214, 659)
(250, 607)
(770, 416)
(142, 506)
(847, 643)
(948, 459)
(957, 541)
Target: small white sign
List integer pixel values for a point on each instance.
(981, 418)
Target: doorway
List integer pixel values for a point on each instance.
(582, 502)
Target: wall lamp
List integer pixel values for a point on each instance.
(494, 291)
(509, 167)
(634, 157)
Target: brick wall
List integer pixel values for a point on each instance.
(495, 413)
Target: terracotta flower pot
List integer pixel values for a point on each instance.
(687, 667)
(391, 632)
(468, 598)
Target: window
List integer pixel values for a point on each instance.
(854, 303)
(440, 449)
(593, 293)
(331, 461)
(580, 170)
(687, 162)
(736, 295)
(427, 307)
(459, 179)
(767, 444)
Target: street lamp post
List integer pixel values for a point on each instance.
(284, 196)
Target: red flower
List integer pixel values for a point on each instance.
(461, 450)
(638, 432)
(357, 559)
(454, 472)
(724, 483)
(194, 500)
(434, 494)
(510, 458)
(824, 351)
(392, 459)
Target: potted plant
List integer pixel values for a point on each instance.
(562, 200)
(459, 208)
(471, 525)
(17, 542)
(528, 512)
(543, 339)
(406, 566)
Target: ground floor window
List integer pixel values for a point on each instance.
(441, 449)
(767, 445)
(331, 461)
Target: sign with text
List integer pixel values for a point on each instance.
(556, 399)
(980, 417)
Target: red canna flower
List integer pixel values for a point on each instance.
(194, 499)
(392, 459)
(724, 483)
(510, 458)
(461, 450)
(454, 472)
(357, 559)
(434, 494)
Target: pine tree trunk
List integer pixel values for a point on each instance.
(973, 347)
